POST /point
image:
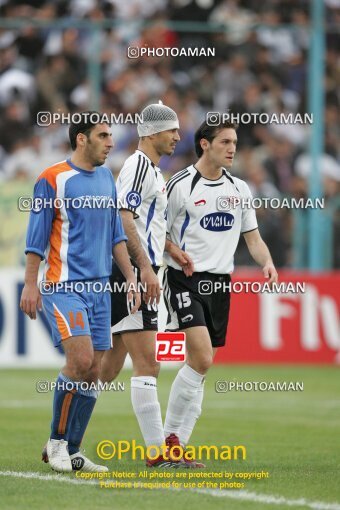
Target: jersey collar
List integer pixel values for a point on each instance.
(212, 180)
(82, 170)
(147, 157)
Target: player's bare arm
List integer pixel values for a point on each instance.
(260, 253)
(120, 254)
(30, 298)
(180, 256)
(141, 259)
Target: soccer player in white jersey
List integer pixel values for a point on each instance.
(204, 221)
(142, 194)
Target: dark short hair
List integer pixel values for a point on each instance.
(209, 133)
(87, 121)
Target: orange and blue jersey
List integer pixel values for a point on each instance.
(75, 241)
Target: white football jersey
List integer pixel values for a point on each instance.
(205, 218)
(141, 189)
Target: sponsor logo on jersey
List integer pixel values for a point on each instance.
(187, 318)
(200, 202)
(133, 199)
(217, 221)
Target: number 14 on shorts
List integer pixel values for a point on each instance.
(170, 346)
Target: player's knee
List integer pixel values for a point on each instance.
(116, 369)
(148, 367)
(205, 365)
(110, 368)
(202, 364)
(109, 374)
(92, 375)
(82, 366)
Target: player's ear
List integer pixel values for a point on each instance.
(204, 144)
(81, 139)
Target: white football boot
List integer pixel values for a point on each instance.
(82, 463)
(58, 455)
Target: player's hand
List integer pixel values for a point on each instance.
(31, 300)
(133, 294)
(270, 272)
(182, 259)
(153, 289)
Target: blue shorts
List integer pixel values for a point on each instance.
(84, 309)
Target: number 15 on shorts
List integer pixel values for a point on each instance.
(170, 346)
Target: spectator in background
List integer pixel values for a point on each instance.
(330, 170)
(280, 164)
(15, 124)
(237, 20)
(15, 83)
(30, 43)
(332, 128)
(260, 65)
(251, 102)
(55, 81)
(278, 40)
(29, 157)
(270, 221)
(231, 80)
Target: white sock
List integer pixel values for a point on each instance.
(191, 416)
(147, 409)
(182, 394)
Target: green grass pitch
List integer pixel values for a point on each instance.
(292, 435)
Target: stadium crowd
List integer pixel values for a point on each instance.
(260, 65)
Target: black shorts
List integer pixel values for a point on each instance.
(145, 319)
(202, 299)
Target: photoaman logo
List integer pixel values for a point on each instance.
(170, 346)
